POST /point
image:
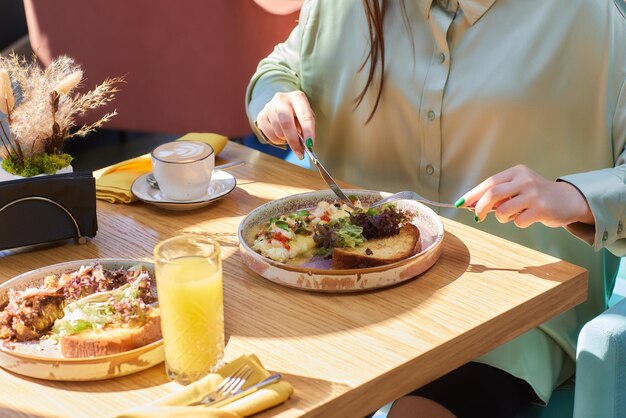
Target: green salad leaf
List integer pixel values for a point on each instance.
(337, 233)
(99, 309)
(283, 225)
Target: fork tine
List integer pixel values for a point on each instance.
(226, 384)
(236, 379)
(385, 200)
(229, 378)
(242, 381)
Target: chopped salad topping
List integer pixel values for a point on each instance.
(29, 314)
(329, 225)
(127, 305)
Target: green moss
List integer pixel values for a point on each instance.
(38, 164)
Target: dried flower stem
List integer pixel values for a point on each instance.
(8, 112)
(13, 151)
(6, 145)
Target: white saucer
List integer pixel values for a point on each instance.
(222, 183)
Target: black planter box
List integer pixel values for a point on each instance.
(47, 208)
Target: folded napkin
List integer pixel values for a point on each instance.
(176, 404)
(113, 183)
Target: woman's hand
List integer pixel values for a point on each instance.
(285, 115)
(524, 197)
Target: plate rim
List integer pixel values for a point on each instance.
(74, 360)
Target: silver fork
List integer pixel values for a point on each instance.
(408, 195)
(229, 386)
(325, 175)
(251, 389)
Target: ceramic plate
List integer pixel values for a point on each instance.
(222, 183)
(317, 275)
(43, 359)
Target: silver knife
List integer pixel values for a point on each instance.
(325, 175)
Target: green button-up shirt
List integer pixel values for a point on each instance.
(472, 88)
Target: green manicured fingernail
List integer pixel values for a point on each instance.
(476, 218)
(309, 142)
(301, 157)
(459, 202)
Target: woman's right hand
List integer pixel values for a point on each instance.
(284, 116)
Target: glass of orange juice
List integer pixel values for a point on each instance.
(189, 284)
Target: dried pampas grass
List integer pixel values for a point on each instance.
(7, 100)
(41, 105)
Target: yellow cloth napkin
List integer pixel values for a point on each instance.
(113, 183)
(176, 404)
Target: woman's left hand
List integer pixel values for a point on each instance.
(521, 195)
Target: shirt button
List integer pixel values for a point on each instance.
(431, 115)
(619, 227)
(430, 170)
(442, 58)
(605, 236)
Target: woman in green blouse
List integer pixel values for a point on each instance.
(513, 105)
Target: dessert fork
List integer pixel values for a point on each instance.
(308, 147)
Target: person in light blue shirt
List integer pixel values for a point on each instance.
(512, 105)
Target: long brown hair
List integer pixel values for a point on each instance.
(375, 13)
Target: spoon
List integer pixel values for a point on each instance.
(154, 184)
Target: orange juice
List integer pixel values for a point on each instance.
(192, 315)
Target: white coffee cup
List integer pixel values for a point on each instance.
(183, 169)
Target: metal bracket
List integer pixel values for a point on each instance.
(79, 236)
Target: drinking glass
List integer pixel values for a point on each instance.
(189, 285)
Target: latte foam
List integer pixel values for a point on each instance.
(182, 151)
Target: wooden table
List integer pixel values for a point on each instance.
(346, 355)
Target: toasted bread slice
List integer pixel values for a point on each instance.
(112, 340)
(381, 251)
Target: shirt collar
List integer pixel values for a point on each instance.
(472, 9)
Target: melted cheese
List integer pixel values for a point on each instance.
(291, 245)
(276, 250)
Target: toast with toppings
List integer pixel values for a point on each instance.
(110, 322)
(379, 251)
(112, 339)
(30, 313)
(89, 312)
